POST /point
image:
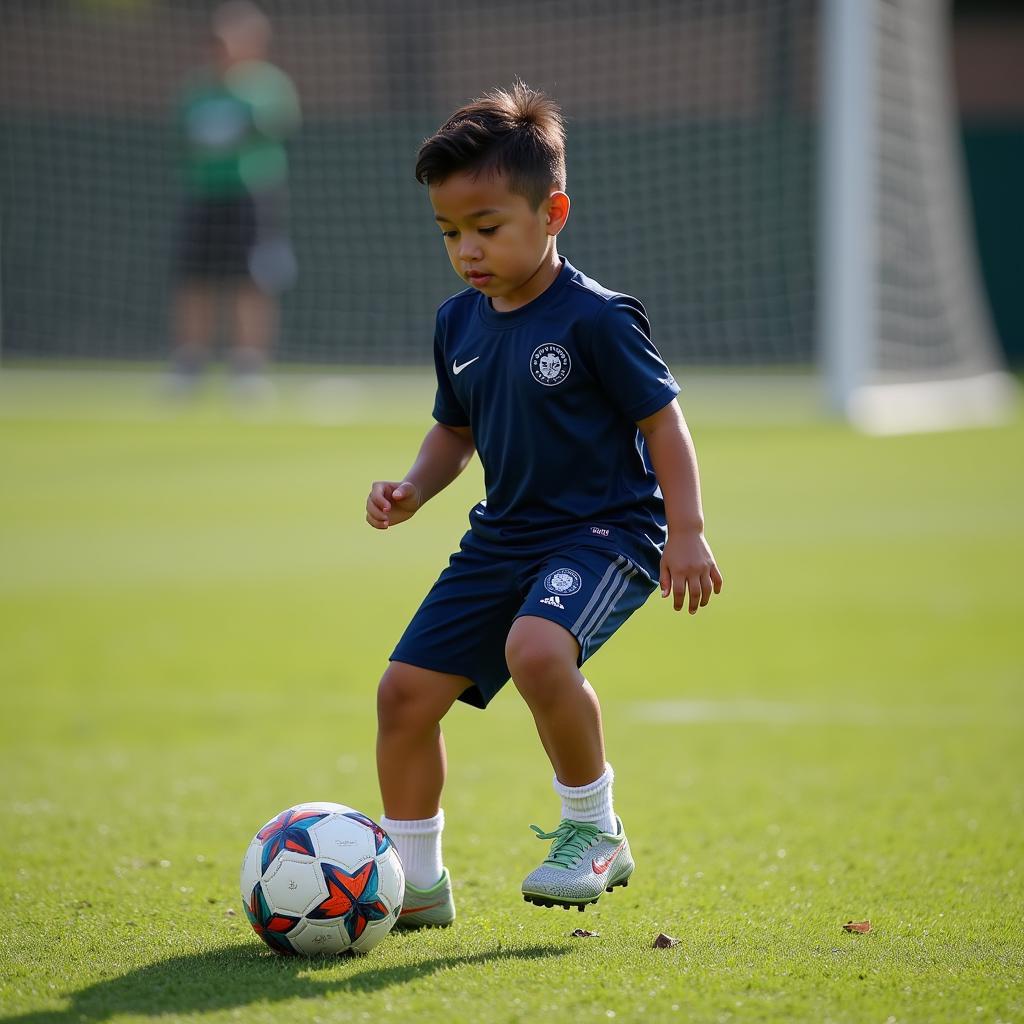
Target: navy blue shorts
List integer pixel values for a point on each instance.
(462, 625)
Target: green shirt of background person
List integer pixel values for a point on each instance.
(235, 118)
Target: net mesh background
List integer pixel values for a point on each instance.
(690, 162)
(931, 318)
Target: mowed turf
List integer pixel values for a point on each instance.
(193, 618)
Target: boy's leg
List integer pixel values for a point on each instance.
(411, 763)
(589, 841)
(575, 602)
(411, 767)
(542, 658)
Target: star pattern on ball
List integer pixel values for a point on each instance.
(268, 925)
(288, 831)
(353, 898)
(380, 837)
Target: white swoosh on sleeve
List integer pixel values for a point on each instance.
(457, 369)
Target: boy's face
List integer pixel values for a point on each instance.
(496, 241)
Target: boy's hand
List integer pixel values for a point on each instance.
(390, 503)
(688, 564)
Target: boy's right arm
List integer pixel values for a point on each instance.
(444, 454)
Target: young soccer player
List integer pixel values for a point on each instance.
(593, 500)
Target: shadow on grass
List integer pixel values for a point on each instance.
(237, 976)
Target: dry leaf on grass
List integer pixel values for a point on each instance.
(861, 927)
(664, 941)
(582, 933)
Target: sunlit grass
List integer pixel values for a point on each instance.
(193, 617)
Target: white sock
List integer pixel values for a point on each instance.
(419, 847)
(592, 802)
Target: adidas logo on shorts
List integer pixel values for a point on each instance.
(553, 601)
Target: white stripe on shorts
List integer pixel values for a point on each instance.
(596, 596)
(608, 606)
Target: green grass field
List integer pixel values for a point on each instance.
(194, 617)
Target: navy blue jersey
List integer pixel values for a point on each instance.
(552, 392)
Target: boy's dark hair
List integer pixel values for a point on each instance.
(517, 132)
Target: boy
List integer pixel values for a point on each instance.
(592, 498)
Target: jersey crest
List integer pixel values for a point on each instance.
(550, 364)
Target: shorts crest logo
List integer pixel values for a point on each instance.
(550, 364)
(563, 581)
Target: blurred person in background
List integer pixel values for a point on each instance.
(233, 250)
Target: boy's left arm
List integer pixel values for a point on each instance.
(687, 563)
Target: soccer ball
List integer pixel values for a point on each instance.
(322, 878)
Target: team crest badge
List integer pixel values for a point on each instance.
(550, 364)
(565, 582)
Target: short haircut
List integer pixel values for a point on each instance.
(517, 132)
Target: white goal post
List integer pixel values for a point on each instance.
(905, 339)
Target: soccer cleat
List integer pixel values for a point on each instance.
(583, 862)
(428, 908)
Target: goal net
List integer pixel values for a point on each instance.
(699, 153)
(906, 339)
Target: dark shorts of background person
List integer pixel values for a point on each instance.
(462, 624)
(238, 238)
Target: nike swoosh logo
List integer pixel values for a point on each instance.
(601, 866)
(419, 910)
(456, 369)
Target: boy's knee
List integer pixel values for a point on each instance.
(540, 654)
(526, 662)
(406, 698)
(397, 696)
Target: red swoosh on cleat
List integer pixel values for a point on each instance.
(417, 910)
(601, 866)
